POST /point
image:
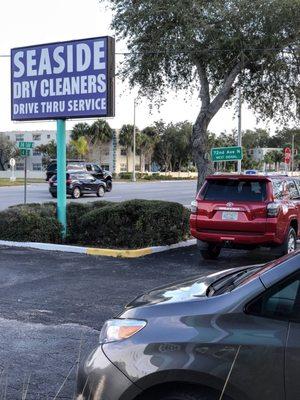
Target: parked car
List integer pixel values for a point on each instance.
(79, 165)
(245, 212)
(78, 184)
(232, 335)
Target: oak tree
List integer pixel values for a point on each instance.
(217, 46)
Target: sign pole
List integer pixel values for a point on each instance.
(25, 179)
(61, 175)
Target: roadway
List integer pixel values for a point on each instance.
(179, 191)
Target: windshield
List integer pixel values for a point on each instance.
(235, 190)
(231, 281)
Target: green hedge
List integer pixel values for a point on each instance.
(151, 177)
(135, 224)
(129, 224)
(30, 223)
(75, 212)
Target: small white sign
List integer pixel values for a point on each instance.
(12, 162)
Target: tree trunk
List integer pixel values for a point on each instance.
(208, 110)
(199, 140)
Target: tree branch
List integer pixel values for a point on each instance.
(223, 94)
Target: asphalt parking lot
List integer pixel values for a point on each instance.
(54, 304)
(180, 191)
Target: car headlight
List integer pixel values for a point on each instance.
(119, 329)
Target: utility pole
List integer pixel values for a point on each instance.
(134, 141)
(240, 125)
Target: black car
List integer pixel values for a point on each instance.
(78, 184)
(231, 335)
(78, 165)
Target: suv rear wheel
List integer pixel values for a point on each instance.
(76, 193)
(290, 243)
(108, 185)
(211, 252)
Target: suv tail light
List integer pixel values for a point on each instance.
(273, 209)
(194, 207)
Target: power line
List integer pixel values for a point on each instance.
(250, 49)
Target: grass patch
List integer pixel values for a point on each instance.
(19, 181)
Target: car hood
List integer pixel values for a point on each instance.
(193, 288)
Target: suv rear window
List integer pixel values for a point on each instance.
(234, 190)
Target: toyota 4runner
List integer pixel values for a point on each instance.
(245, 212)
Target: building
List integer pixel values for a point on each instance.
(110, 156)
(258, 153)
(34, 161)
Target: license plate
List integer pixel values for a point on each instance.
(229, 216)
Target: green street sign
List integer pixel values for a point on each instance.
(25, 145)
(24, 152)
(220, 154)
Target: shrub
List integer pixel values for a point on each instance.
(135, 224)
(130, 224)
(125, 175)
(75, 211)
(30, 223)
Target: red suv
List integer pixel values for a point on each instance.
(245, 212)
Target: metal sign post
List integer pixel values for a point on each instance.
(61, 174)
(25, 179)
(25, 152)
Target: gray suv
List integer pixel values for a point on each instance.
(232, 335)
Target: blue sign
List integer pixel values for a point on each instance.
(63, 80)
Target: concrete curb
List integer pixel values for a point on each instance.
(98, 252)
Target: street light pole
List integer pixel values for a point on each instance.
(134, 141)
(240, 126)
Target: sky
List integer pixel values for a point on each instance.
(31, 22)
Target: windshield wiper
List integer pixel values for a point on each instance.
(229, 282)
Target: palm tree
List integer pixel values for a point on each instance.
(81, 129)
(126, 139)
(145, 145)
(96, 134)
(149, 138)
(81, 146)
(100, 133)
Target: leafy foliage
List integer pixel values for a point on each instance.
(81, 146)
(130, 224)
(173, 148)
(209, 44)
(135, 224)
(48, 151)
(30, 223)
(7, 150)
